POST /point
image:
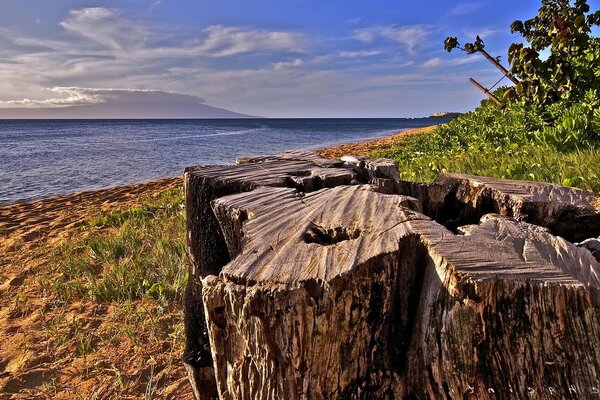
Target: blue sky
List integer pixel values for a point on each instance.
(351, 58)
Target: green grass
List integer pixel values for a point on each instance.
(128, 254)
(577, 168)
(560, 144)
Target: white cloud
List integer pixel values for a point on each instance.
(410, 35)
(483, 32)
(433, 62)
(222, 41)
(131, 38)
(107, 28)
(466, 8)
(251, 70)
(366, 35)
(85, 96)
(358, 54)
(436, 62)
(288, 64)
(107, 49)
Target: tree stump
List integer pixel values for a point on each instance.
(351, 292)
(303, 171)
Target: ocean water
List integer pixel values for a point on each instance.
(40, 159)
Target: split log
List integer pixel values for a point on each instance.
(507, 311)
(456, 199)
(345, 293)
(308, 308)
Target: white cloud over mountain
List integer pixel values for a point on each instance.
(101, 103)
(87, 96)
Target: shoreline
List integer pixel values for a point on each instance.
(368, 144)
(53, 217)
(365, 147)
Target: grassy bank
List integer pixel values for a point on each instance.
(98, 313)
(577, 168)
(518, 142)
(128, 254)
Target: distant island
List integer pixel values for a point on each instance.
(120, 111)
(93, 103)
(445, 114)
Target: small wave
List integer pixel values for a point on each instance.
(76, 141)
(226, 133)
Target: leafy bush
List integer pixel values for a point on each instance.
(558, 144)
(556, 100)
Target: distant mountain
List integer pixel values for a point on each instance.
(100, 103)
(120, 111)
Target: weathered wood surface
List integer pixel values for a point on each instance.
(568, 212)
(303, 171)
(593, 245)
(347, 292)
(517, 313)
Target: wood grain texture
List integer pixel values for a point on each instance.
(291, 237)
(351, 292)
(515, 308)
(569, 212)
(208, 251)
(419, 311)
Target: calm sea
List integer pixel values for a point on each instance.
(41, 159)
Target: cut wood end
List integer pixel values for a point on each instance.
(320, 235)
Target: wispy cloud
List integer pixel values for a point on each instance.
(353, 21)
(74, 95)
(358, 54)
(113, 31)
(410, 35)
(436, 62)
(107, 28)
(466, 8)
(222, 41)
(259, 71)
(288, 64)
(106, 48)
(433, 62)
(484, 32)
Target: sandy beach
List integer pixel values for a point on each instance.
(56, 217)
(32, 362)
(366, 147)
